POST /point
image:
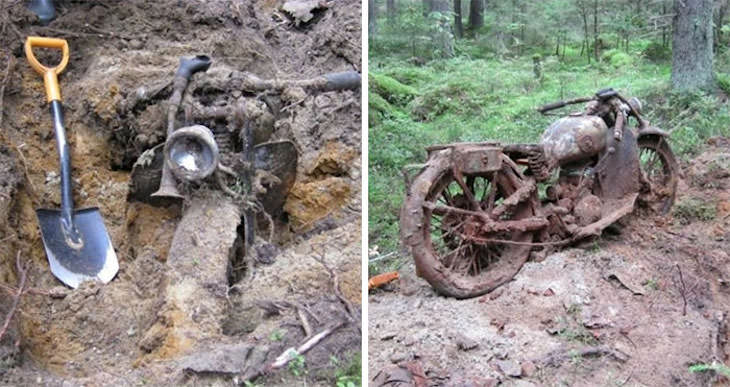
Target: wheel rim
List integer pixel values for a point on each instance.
(456, 241)
(657, 169)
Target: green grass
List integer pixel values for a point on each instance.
(477, 99)
(348, 373)
(720, 368)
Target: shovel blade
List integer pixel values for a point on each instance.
(94, 259)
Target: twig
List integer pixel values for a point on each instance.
(555, 358)
(381, 257)
(305, 323)
(290, 354)
(16, 299)
(682, 291)
(25, 166)
(336, 286)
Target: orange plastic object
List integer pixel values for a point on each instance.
(382, 279)
(50, 74)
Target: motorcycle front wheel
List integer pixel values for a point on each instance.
(450, 248)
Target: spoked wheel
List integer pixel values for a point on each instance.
(660, 173)
(465, 238)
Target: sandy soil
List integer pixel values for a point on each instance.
(131, 331)
(620, 298)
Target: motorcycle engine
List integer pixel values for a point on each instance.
(574, 138)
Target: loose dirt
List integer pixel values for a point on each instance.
(611, 312)
(133, 331)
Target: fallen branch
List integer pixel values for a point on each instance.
(16, 300)
(556, 358)
(289, 354)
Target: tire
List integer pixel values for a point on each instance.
(659, 173)
(436, 240)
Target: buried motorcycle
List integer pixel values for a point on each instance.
(475, 211)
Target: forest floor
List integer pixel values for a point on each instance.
(126, 332)
(636, 307)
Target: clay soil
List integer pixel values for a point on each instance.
(121, 333)
(611, 312)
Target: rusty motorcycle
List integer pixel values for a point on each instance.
(475, 212)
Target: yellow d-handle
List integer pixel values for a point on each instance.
(50, 74)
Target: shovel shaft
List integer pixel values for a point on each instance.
(64, 159)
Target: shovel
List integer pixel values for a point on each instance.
(76, 241)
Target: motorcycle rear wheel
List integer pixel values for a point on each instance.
(454, 264)
(660, 170)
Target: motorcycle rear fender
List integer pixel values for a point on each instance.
(653, 130)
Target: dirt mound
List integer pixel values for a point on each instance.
(635, 307)
(115, 89)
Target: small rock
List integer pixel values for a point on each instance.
(496, 293)
(498, 323)
(398, 357)
(548, 292)
(510, 368)
(528, 368)
(465, 343)
(388, 336)
(500, 353)
(135, 44)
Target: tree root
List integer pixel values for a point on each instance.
(22, 276)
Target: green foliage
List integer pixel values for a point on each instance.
(692, 209)
(720, 368)
(276, 335)
(723, 82)
(617, 58)
(348, 374)
(297, 365)
(656, 52)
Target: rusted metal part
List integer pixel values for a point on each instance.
(516, 198)
(619, 176)
(477, 159)
(561, 140)
(528, 224)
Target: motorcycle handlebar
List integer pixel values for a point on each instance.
(556, 105)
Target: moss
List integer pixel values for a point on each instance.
(617, 58)
(390, 89)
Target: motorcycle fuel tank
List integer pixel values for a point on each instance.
(574, 138)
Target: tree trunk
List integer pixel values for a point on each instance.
(372, 17)
(476, 15)
(458, 26)
(587, 46)
(390, 10)
(721, 12)
(427, 7)
(692, 45)
(595, 29)
(444, 35)
(664, 29)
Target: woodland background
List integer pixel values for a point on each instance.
(476, 70)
